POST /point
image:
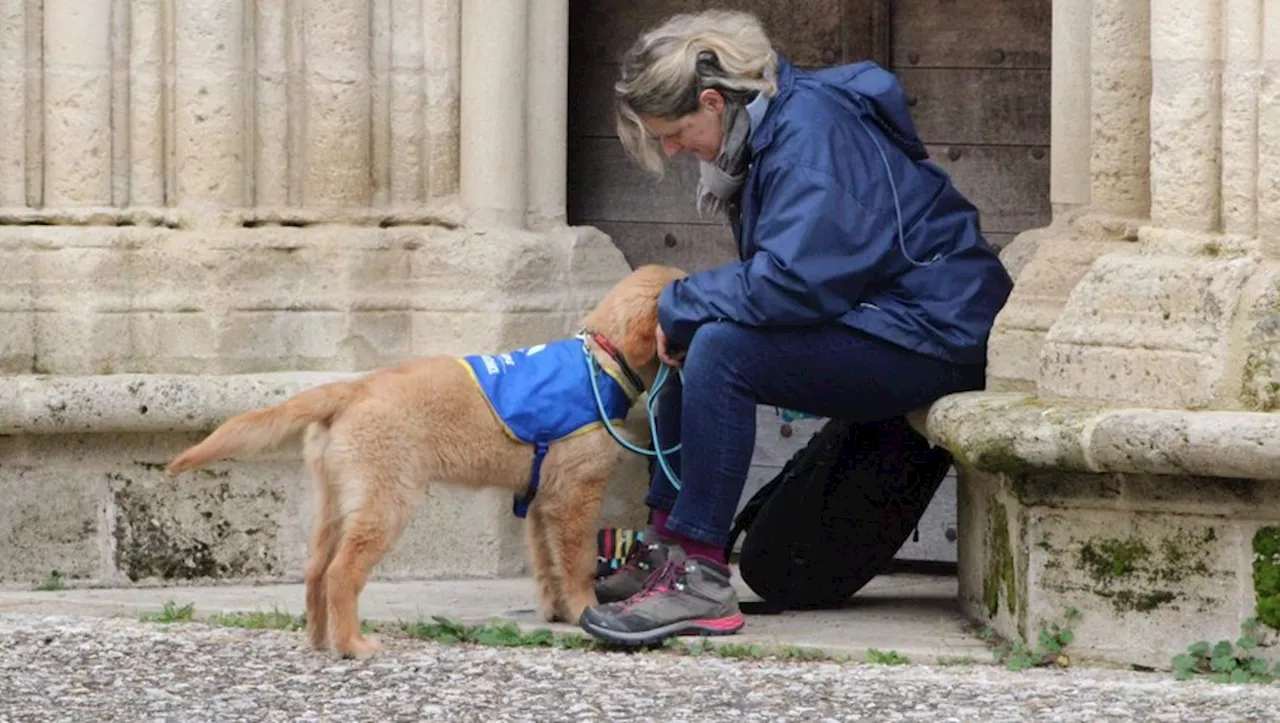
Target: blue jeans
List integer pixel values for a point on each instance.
(832, 371)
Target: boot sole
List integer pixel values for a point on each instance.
(707, 626)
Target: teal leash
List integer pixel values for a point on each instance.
(650, 406)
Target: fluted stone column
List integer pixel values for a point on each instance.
(77, 103)
(1120, 44)
(337, 91)
(495, 69)
(1242, 73)
(146, 110)
(1267, 20)
(547, 108)
(13, 105)
(1186, 114)
(209, 109)
(1070, 122)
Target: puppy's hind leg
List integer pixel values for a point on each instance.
(324, 536)
(368, 531)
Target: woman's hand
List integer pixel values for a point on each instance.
(662, 349)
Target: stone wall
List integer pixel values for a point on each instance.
(205, 206)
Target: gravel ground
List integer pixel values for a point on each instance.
(105, 669)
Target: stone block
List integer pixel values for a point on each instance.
(1145, 330)
(1062, 257)
(49, 520)
(1146, 580)
(105, 300)
(254, 341)
(1259, 383)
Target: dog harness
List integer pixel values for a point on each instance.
(542, 394)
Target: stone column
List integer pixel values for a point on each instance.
(495, 64)
(402, 180)
(148, 37)
(208, 106)
(1121, 131)
(1069, 130)
(274, 162)
(77, 103)
(548, 96)
(442, 33)
(1269, 125)
(337, 112)
(1241, 76)
(1186, 114)
(13, 107)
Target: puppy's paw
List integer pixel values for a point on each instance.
(359, 648)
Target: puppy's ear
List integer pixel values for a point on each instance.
(640, 340)
(635, 313)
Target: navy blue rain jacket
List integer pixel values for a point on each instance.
(818, 230)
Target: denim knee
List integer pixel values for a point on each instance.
(717, 345)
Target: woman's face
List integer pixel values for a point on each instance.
(699, 132)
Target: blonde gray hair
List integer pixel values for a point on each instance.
(669, 65)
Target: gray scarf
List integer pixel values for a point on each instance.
(720, 181)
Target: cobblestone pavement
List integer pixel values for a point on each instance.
(116, 669)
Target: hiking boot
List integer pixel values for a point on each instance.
(642, 560)
(685, 596)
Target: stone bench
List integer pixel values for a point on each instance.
(1162, 527)
(82, 465)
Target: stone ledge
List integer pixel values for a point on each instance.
(142, 403)
(1016, 433)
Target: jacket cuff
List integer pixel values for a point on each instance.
(678, 328)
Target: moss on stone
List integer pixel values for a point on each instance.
(1266, 575)
(1134, 574)
(1258, 392)
(1109, 559)
(1129, 600)
(999, 455)
(1000, 569)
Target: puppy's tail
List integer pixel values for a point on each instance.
(269, 427)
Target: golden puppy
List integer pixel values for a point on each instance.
(373, 445)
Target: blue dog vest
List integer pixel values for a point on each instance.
(541, 394)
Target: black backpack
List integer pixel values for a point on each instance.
(837, 513)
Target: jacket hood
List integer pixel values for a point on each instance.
(867, 86)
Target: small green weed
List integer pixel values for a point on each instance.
(274, 620)
(752, 651)
(172, 613)
(1052, 640)
(52, 583)
(503, 634)
(509, 634)
(1227, 663)
(879, 657)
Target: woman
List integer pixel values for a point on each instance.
(865, 288)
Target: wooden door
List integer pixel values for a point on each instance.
(977, 75)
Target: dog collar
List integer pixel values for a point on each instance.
(607, 346)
